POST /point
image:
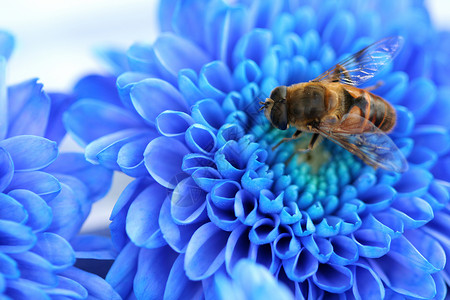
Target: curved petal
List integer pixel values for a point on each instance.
(404, 279)
(246, 208)
(215, 80)
(95, 285)
(301, 266)
(237, 247)
(152, 96)
(269, 203)
(15, 237)
(22, 289)
(224, 218)
(414, 212)
(96, 179)
(201, 139)
(142, 219)
(434, 137)
(163, 158)
(194, 161)
(372, 243)
(89, 246)
(253, 45)
(172, 123)
(415, 182)
(367, 283)
(178, 284)
(6, 169)
(206, 178)
(175, 53)
(205, 252)
(209, 113)
(88, 120)
(131, 157)
(55, 249)
(320, 247)
(98, 87)
(177, 236)
(125, 82)
(3, 99)
(28, 109)
(35, 268)
(39, 213)
(286, 244)
(188, 203)
(333, 278)
(67, 288)
(40, 183)
(265, 255)
(24, 149)
(12, 210)
(153, 270)
(345, 250)
(123, 270)
(265, 230)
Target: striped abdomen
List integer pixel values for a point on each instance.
(371, 107)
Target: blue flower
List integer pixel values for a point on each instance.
(209, 191)
(44, 196)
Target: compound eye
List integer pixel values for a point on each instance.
(278, 93)
(278, 115)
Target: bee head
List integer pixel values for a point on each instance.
(275, 108)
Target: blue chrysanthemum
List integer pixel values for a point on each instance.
(44, 197)
(323, 223)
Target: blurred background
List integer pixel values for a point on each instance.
(56, 42)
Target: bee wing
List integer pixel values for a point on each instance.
(364, 64)
(373, 146)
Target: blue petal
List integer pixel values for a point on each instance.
(415, 182)
(290, 213)
(270, 204)
(154, 267)
(333, 278)
(246, 72)
(174, 53)
(246, 208)
(15, 237)
(165, 14)
(329, 226)
(88, 120)
(265, 255)
(97, 87)
(152, 96)
(125, 82)
(6, 44)
(385, 222)
(206, 178)
(123, 270)
(30, 153)
(131, 157)
(237, 247)
(265, 230)
(286, 244)
(209, 113)
(194, 161)
(28, 108)
(178, 284)
(96, 287)
(434, 137)
(97, 179)
(3, 100)
(378, 197)
(423, 157)
(188, 86)
(414, 212)
(55, 250)
(201, 139)
(253, 45)
(141, 59)
(301, 266)
(367, 283)
(340, 30)
(215, 80)
(163, 158)
(173, 123)
(6, 169)
(39, 213)
(205, 252)
(420, 250)
(345, 251)
(35, 268)
(12, 210)
(67, 288)
(188, 203)
(105, 150)
(8, 267)
(22, 289)
(60, 103)
(224, 218)
(320, 247)
(93, 247)
(404, 123)
(404, 279)
(372, 243)
(142, 219)
(177, 236)
(223, 194)
(421, 96)
(40, 183)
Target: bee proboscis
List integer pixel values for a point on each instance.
(333, 106)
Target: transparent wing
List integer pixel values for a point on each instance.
(364, 64)
(373, 146)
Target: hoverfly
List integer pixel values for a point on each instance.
(333, 106)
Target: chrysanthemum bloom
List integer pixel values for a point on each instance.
(44, 197)
(323, 223)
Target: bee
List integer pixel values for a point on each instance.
(333, 106)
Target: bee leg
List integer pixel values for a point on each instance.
(375, 86)
(312, 143)
(293, 137)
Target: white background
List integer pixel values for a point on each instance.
(55, 41)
